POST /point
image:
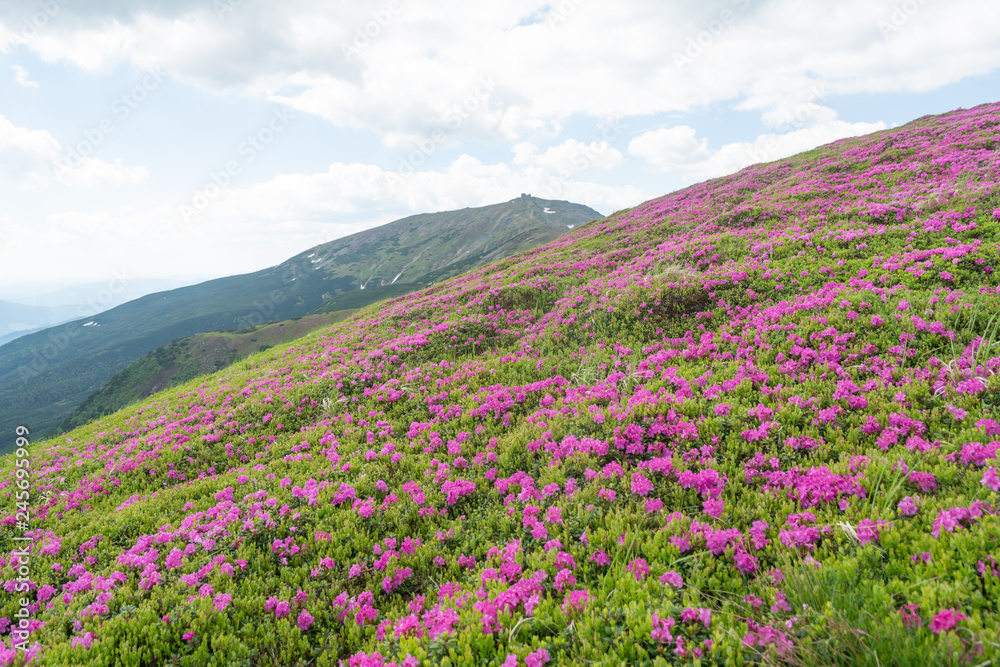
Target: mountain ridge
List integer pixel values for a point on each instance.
(44, 376)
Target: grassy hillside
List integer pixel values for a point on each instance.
(184, 359)
(752, 422)
(45, 376)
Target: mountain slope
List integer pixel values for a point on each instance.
(46, 375)
(750, 422)
(184, 359)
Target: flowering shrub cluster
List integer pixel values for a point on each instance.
(751, 422)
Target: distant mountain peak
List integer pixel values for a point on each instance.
(346, 273)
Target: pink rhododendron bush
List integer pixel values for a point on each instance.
(751, 422)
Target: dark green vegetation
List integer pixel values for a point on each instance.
(184, 359)
(45, 376)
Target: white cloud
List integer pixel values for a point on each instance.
(357, 191)
(569, 157)
(25, 141)
(671, 148)
(34, 158)
(89, 173)
(5, 224)
(21, 77)
(415, 64)
(677, 149)
(518, 122)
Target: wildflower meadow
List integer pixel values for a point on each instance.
(752, 422)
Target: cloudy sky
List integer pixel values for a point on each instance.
(211, 137)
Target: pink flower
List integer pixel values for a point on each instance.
(907, 506)
(958, 414)
(575, 601)
(868, 530)
(174, 559)
(639, 569)
(758, 533)
(660, 631)
(925, 480)
(455, 490)
(991, 480)
(672, 578)
(640, 485)
(564, 578)
(945, 620)
(222, 601)
(911, 619)
(713, 508)
(950, 520)
(282, 609)
(537, 659)
(876, 321)
(304, 621)
(697, 614)
(745, 563)
(600, 557)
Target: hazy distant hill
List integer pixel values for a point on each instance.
(46, 375)
(26, 309)
(17, 319)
